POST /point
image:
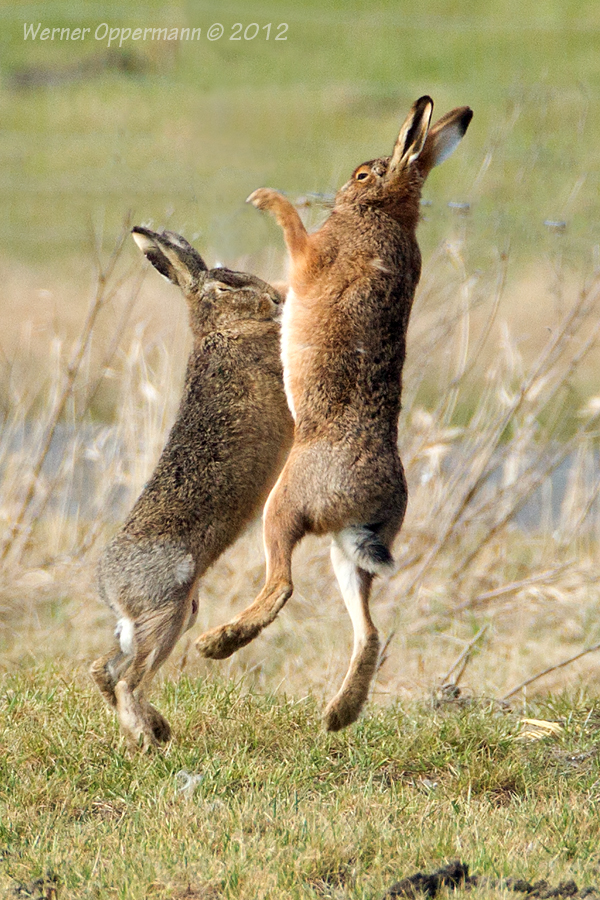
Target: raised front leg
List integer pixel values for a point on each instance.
(105, 671)
(286, 216)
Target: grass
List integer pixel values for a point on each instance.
(185, 133)
(254, 800)
(498, 557)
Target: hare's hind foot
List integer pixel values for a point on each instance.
(157, 722)
(104, 682)
(140, 722)
(107, 670)
(347, 704)
(134, 710)
(221, 642)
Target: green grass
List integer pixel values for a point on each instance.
(282, 809)
(191, 130)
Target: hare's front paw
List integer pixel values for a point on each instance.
(264, 198)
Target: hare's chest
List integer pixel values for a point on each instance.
(299, 343)
(287, 347)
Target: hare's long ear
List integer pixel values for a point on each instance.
(443, 138)
(412, 136)
(172, 256)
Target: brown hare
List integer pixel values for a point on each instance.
(223, 454)
(343, 345)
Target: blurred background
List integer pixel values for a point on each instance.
(175, 134)
(180, 131)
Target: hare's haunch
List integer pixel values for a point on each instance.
(343, 346)
(224, 452)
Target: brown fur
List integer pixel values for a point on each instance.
(343, 345)
(227, 445)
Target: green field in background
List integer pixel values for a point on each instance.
(181, 132)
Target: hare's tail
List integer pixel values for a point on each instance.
(364, 547)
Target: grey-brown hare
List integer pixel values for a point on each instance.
(344, 327)
(224, 452)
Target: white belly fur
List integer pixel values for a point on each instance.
(286, 329)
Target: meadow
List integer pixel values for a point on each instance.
(254, 800)
(497, 563)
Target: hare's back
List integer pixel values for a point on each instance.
(224, 449)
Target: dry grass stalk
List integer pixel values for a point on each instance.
(460, 664)
(27, 496)
(504, 512)
(560, 665)
(486, 473)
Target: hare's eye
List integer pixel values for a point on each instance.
(360, 176)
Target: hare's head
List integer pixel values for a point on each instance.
(394, 182)
(214, 296)
(238, 295)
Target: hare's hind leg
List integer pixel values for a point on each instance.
(355, 585)
(155, 633)
(107, 671)
(283, 528)
(103, 672)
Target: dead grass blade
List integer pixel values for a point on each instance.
(560, 665)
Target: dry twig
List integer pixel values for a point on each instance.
(463, 659)
(547, 671)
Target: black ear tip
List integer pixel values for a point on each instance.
(423, 102)
(144, 238)
(466, 119)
